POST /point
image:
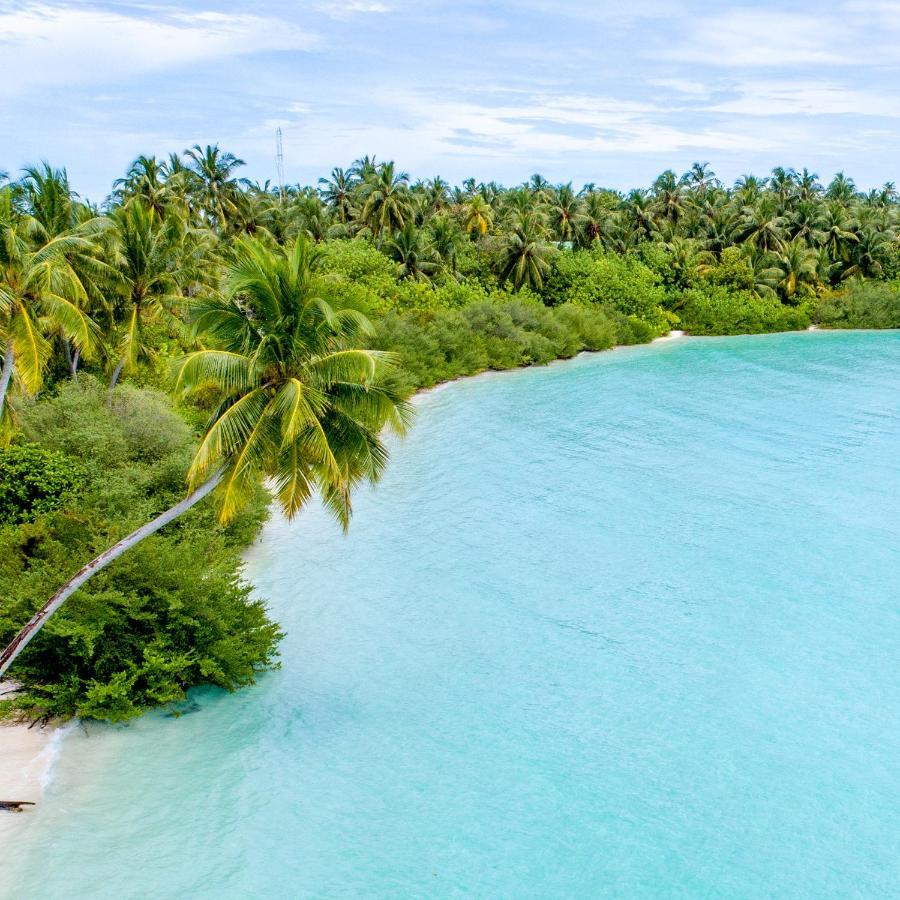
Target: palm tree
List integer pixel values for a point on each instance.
(792, 267)
(700, 177)
(525, 255)
(302, 405)
(839, 232)
(841, 188)
(213, 170)
(386, 202)
(40, 293)
(868, 253)
(478, 216)
(668, 197)
(446, 238)
(337, 192)
(639, 214)
(145, 257)
(597, 211)
(761, 226)
(565, 212)
(416, 259)
(145, 178)
(749, 188)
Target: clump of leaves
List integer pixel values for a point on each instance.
(35, 480)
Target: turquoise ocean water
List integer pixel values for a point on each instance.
(627, 626)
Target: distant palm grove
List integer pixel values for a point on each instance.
(201, 334)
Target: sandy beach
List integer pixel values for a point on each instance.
(26, 758)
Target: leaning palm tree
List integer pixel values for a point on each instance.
(40, 294)
(301, 404)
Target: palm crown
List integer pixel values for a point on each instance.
(302, 402)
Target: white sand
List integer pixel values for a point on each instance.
(26, 759)
(671, 336)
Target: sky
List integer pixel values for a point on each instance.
(605, 92)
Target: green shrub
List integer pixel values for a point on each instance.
(169, 614)
(715, 309)
(861, 304)
(621, 283)
(34, 480)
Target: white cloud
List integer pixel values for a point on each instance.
(346, 9)
(63, 45)
(807, 98)
(855, 33)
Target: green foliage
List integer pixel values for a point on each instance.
(733, 270)
(170, 614)
(33, 481)
(621, 283)
(861, 304)
(717, 310)
(489, 334)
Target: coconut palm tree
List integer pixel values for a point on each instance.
(761, 226)
(792, 267)
(409, 249)
(145, 257)
(668, 196)
(213, 172)
(525, 254)
(478, 216)
(386, 201)
(445, 239)
(841, 188)
(337, 192)
(302, 404)
(40, 294)
(565, 210)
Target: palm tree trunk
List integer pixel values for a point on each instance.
(75, 357)
(21, 640)
(116, 374)
(6, 374)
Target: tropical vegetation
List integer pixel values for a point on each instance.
(198, 334)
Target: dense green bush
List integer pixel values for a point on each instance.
(172, 612)
(34, 480)
(716, 309)
(861, 304)
(490, 334)
(621, 283)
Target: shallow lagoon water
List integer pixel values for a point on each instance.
(625, 626)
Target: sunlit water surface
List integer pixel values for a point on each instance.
(626, 626)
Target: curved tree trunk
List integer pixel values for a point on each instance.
(6, 374)
(21, 640)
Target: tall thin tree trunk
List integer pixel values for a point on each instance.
(21, 640)
(116, 374)
(6, 373)
(75, 357)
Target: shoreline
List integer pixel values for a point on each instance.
(27, 755)
(28, 752)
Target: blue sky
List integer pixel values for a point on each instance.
(585, 91)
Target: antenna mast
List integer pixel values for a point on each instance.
(279, 162)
